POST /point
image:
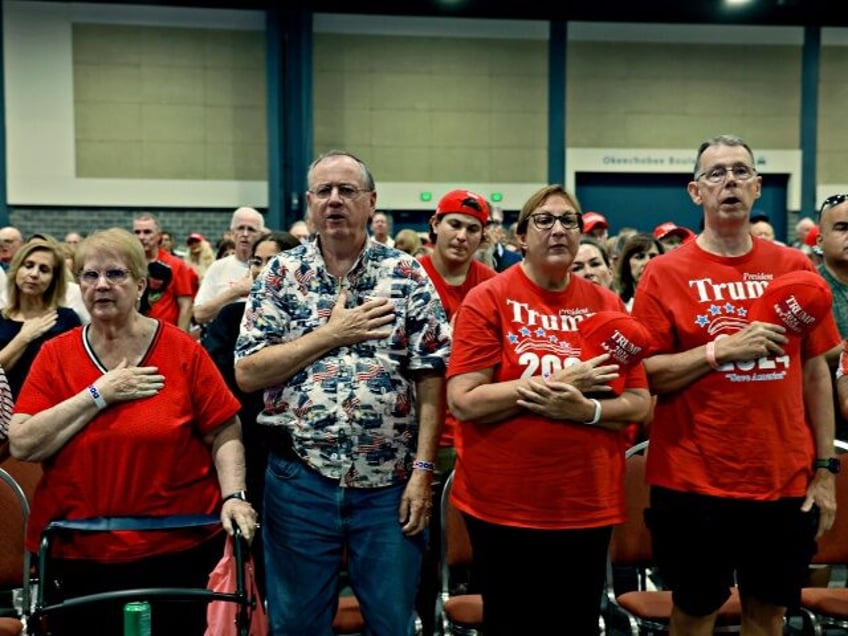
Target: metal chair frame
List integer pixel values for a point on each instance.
(831, 552)
(41, 610)
(21, 497)
(443, 621)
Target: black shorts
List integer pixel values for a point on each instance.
(703, 545)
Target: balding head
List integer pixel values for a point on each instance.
(11, 241)
(247, 224)
(803, 227)
(247, 216)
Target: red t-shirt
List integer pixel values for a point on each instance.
(136, 458)
(170, 278)
(530, 471)
(739, 432)
(451, 297)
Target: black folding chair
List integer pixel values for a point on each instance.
(37, 621)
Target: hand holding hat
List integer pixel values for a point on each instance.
(797, 301)
(624, 338)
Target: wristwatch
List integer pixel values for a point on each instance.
(831, 463)
(238, 494)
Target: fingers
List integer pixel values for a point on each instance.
(241, 513)
(415, 505)
(131, 383)
(376, 302)
(598, 360)
(757, 340)
(418, 520)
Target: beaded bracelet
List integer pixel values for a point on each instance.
(420, 464)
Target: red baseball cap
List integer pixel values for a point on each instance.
(195, 236)
(669, 228)
(464, 202)
(591, 220)
(797, 300)
(619, 334)
(812, 236)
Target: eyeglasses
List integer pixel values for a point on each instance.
(346, 191)
(546, 221)
(114, 276)
(717, 174)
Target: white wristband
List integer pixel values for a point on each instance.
(597, 415)
(99, 402)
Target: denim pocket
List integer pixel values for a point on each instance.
(284, 468)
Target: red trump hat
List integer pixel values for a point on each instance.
(797, 300)
(618, 334)
(672, 229)
(591, 220)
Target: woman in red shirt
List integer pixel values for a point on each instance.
(539, 473)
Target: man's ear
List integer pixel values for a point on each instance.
(694, 193)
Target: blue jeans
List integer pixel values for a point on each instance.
(309, 521)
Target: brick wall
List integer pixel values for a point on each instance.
(60, 221)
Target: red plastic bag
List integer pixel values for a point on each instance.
(221, 616)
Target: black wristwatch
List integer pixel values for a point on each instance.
(831, 463)
(238, 494)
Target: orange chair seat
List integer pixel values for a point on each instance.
(465, 610)
(829, 601)
(10, 626)
(657, 606)
(348, 618)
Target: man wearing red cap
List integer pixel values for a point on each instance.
(742, 435)
(595, 225)
(456, 231)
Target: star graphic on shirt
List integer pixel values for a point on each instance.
(524, 331)
(742, 311)
(540, 332)
(714, 310)
(552, 339)
(512, 338)
(702, 321)
(728, 308)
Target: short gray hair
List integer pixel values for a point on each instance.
(721, 140)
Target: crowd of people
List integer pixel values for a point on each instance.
(316, 387)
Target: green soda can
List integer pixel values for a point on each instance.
(137, 619)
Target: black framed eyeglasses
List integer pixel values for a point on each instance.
(545, 221)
